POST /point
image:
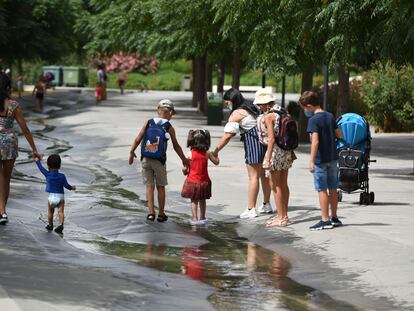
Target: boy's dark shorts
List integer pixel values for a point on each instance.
(154, 172)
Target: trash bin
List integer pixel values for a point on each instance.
(214, 110)
(186, 83)
(56, 73)
(74, 76)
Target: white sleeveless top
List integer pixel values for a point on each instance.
(245, 124)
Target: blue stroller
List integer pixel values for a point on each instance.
(354, 157)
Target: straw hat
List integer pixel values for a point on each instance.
(263, 96)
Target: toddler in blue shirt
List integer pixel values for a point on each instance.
(55, 182)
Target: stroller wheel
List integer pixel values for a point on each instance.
(364, 198)
(339, 196)
(371, 197)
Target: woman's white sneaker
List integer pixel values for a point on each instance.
(249, 213)
(266, 208)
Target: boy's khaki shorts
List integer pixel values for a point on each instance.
(154, 172)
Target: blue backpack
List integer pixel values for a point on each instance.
(154, 143)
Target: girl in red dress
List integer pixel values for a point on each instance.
(197, 185)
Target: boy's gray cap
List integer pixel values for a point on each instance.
(166, 103)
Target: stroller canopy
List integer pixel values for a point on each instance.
(355, 131)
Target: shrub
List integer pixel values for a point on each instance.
(388, 92)
(356, 103)
(131, 63)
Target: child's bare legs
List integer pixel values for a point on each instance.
(324, 204)
(253, 171)
(202, 209)
(50, 212)
(150, 199)
(333, 201)
(161, 199)
(194, 209)
(62, 212)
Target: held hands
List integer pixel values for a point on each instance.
(36, 155)
(186, 170)
(186, 162)
(73, 188)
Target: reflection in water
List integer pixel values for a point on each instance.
(246, 275)
(192, 263)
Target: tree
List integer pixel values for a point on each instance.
(36, 29)
(349, 25)
(393, 35)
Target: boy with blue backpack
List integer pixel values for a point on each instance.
(153, 138)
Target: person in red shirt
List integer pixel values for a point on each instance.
(197, 185)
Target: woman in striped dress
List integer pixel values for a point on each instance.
(243, 120)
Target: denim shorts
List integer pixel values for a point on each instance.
(326, 176)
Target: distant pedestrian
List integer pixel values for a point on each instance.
(243, 120)
(122, 78)
(39, 91)
(197, 185)
(153, 138)
(10, 110)
(102, 78)
(323, 158)
(55, 182)
(276, 160)
(19, 86)
(98, 93)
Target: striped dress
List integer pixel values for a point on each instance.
(254, 151)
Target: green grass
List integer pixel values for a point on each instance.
(170, 75)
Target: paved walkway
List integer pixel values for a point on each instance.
(369, 261)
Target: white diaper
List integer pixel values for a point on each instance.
(55, 199)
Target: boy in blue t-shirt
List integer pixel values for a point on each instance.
(323, 158)
(55, 182)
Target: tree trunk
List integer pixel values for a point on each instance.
(20, 67)
(194, 86)
(220, 77)
(236, 69)
(307, 80)
(199, 83)
(209, 77)
(342, 102)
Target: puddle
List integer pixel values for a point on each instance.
(246, 276)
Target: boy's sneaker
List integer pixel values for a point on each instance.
(266, 208)
(4, 219)
(322, 225)
(59, 229)
(336, 222)
(49, 227)
(249, 213)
